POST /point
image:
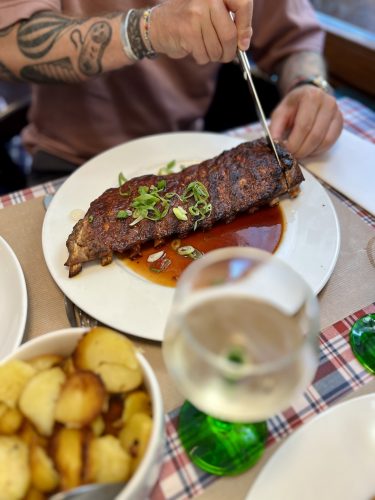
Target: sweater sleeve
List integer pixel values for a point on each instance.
(281, 28)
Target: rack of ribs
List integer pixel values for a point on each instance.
(241, 179)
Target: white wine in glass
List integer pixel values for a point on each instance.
(241, 343)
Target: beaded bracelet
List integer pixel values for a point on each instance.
(132, 41)
(147, 24)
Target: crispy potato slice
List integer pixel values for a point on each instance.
(134, 437)
(14, 468)
(136, 402)
(106, 461)
(112, 356)
(44, 476)
(67, 452)
(38, 399)
(45, 361)
(81, 399)
(13, 377)
(10, 421)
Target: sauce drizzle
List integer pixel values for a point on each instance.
(262, 229)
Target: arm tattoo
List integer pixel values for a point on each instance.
(51, 72)
(92, 46)
(6, 74)
(37, 36)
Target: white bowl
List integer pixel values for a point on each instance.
(63, 342)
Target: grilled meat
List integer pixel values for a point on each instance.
(246, 177)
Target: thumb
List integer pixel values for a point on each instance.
(243, 12)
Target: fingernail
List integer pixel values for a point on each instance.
(244, 43)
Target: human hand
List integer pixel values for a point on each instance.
(201, 28)
(308, 120)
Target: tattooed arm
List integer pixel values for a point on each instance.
(52, 47)
(308, 118)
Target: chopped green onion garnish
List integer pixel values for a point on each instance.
(180, 213)
(123, 214)
(121, 179)
(168, 168)
(201, 208)
(187, 250)
(90, 218)
(150, 204)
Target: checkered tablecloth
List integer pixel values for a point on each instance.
(338, 373)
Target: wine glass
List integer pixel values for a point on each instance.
(240, 343)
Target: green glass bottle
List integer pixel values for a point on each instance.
(362, 341)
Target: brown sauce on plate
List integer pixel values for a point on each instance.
(262, 229)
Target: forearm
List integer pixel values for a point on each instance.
(54, 48)
(299, 66)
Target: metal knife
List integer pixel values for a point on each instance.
(245, 65)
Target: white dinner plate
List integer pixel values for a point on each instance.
(13, 300)
(332, 457)
(123, 300)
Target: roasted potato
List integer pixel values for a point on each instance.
(110, 355)
(30, 436)
(10, 421)
(45, 361)
(68, 366)
(136, 402)
(107, 461)
(66, 421)
(81, 399)
(44, 476)
(38, 399)
(13, 377)
(67, 453)
(134, 437)
(34, 494)
(14, 468)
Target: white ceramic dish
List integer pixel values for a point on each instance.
(13, 300)
(63, 342)
(332, 457)
(121, 299)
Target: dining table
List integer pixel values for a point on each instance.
(348, 295)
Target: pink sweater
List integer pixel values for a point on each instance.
(78, 121)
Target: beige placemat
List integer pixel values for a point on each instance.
(352, 284)
(21, 226)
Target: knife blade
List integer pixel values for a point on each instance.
(245, 65)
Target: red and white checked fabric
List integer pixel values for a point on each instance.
(339, 373)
